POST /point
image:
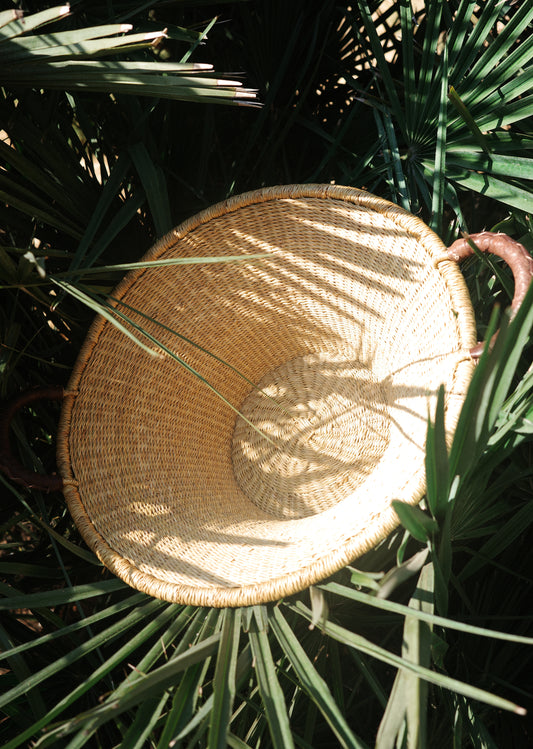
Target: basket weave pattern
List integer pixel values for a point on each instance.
(338, 341)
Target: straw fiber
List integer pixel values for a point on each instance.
(331, 348)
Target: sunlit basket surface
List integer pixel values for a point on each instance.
(332, 348)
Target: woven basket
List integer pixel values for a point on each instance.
(331, 348)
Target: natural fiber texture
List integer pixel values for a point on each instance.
(347, 329)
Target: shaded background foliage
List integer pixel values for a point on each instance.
(93, 179)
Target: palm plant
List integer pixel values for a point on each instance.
(450, 102)
(427, 639)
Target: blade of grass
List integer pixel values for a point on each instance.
(469, 440)
(382, 65)
(139, 732)
(392, 725)
(187, 693)
(406, 709)
(311, 682)
(61, 597)
(122, 267)
(467, 118)
(200, 38)
(507, 534)
(403, 190)
(47, 216)
(496, 94)
(459, 30)
(121, 218)
(402, 571)
(183, 710)
(508, 114)
(408, 63)
(437, 203)
(33, 21)
(157, 681)
(369, 675)
(508, 193)
(29, 570)
(105, 311)
(473, 41)
(69, 629)
(507, 37)
(433, 619)
(17, 53)
(437, 465)
(270, 689)
(234, 742)
(39, 179)
(117, 658)
(517, 167)
(427, 111)
(224, 680)
(385, 151)
(66, 661)
(61, 38)
(154, 184)
(111, 188)
(180, 361)
(193, 624)
(351, 639)
(420, 526)
(20, 669)
(244, 666)
(186, 618)
(504, 360)
(416, 647)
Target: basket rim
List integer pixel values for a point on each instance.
(379, 528)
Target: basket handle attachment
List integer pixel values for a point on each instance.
(8, 462)
(514, 254)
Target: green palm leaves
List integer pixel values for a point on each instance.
(455, 122)
(415, 656)
(58, 158)
(71, 60)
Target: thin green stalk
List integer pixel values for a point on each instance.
(354, 640)
(437, 203)
(271, 693)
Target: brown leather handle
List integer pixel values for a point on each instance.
(8, 462)
(514, 254)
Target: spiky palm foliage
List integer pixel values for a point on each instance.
(455, 121)
(427, 640)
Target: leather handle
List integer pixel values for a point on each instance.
(514, 254)
(8, 462)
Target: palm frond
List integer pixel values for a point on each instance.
(66, 61)
(487, 73)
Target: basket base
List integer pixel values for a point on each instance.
(321, 427)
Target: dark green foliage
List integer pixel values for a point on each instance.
(426, 643)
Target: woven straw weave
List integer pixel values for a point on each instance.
(346, 329)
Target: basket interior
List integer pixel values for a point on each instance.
(325, 356)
